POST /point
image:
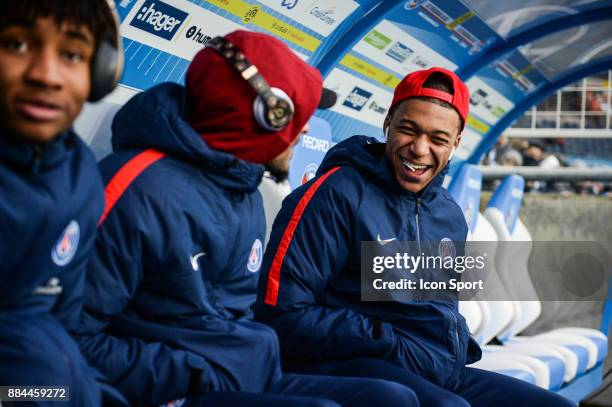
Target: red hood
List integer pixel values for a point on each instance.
(221, 102)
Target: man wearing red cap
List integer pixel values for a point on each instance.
(365, 190)
(170, 286)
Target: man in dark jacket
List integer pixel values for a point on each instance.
(180, 244)
(51, 194)
(371, 191)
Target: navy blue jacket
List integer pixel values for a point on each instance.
(51, 197)
(176, 264)
(314, 301)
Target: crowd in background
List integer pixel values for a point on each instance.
(535, 153)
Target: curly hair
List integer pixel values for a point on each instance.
(95, 15)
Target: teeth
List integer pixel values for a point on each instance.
(412, 166)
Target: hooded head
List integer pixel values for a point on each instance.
(220, 101)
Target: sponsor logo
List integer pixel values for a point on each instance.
(421, 62)
(446, 248)
(357, 98)
(53, 287)
(399, 52)
(377, 40)
(309, 172)
(256, 256)
(377, 108)
(316, 144)
(289, 4)
(196, 34)
(477, 97)
(324, 14)
(66, 246)
(383, 242)
(498, 111)
(159, 18)
(194, 260)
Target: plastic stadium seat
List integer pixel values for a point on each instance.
(545, 369)
(507, 367)
(473, 315)
(562, 363)
(589, 345)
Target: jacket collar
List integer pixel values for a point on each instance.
(33, 156)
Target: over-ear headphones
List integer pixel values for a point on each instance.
(107, 64)
(273, 108)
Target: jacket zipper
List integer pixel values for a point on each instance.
(38, 155)
(452, 314)
(418, 229)
(456, 329)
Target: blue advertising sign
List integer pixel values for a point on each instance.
(309, 153)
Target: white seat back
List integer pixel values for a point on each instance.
(512, 259)
(497, 313)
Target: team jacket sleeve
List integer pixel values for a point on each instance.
(311, 238)
(67, 308)
(147, 373)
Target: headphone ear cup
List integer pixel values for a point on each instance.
(107, 65)
(105, 71)
(274, 118)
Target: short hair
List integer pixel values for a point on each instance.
(439, 81)
(94, 15)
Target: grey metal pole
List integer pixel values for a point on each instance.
(547, 174)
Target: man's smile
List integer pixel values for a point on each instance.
(414, 169)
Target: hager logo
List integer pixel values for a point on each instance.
(159, 18)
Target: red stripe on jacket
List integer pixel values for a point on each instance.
(274, 274)
(125, 176)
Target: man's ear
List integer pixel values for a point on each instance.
(458, 140)
(386, 125)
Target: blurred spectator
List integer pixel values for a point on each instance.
(533, 154)
(495, 154)
(512, 157)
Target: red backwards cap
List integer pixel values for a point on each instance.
(412, 86)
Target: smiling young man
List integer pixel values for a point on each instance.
(365, 190)
(51, 193)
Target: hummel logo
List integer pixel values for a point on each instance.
(383, 242)
(53, 287)
(194, 260)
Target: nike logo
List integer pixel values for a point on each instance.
(194, 260)
(383, 242)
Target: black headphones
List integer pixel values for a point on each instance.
(107, 64)
(273, 108)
